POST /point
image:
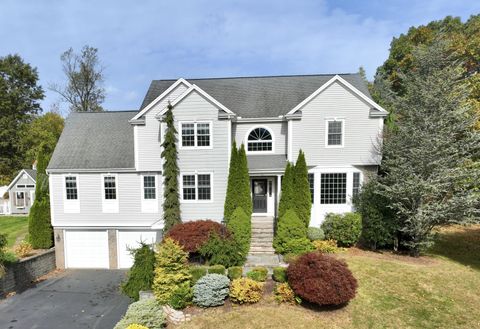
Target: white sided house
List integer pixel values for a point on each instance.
(106, 171)
(18, 197)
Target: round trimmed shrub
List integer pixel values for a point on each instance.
(211, 290)
(235, 272)
(280, 274)
(315, 233)
(246, 290)
(326, 246)
(345, 228)
(289, 227)
(259, 274)
(192, 235)
(216, 269)
(146, 312)
(321, 279)
(298, 246)
(285, 294)
(197, 272)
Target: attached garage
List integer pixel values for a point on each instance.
(86, 249)
(127, 240)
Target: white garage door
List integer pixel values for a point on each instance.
(131, 240)
(86, 249)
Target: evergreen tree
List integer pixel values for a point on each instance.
(232, 192)
(431, 178)
(244, 195)
(301, 193)
(171, 203)
(39, 226)
(286, 198)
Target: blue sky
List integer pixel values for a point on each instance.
(143, 40)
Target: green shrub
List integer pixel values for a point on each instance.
(222, 251)
(171, 270)
(245, 290)
(378, 220)
(181, 297)
(345, 228)
(140, 276)
(259, 274)
(298, 246)
(147, 312)
(289, 258)
(216, 269)
(302, 199)
(235, 272)
(315, 233)
(211, 290)
(326, 246)
(285, 294)
(289, 227)
(197, 272)
(3, 241)
(241, 227)
(280, 274)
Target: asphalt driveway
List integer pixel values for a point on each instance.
(75, 299)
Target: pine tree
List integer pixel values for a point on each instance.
(232, 192)
(39, 226)
(244, 195)
(301, 193)
(286, 198)
(171, 203)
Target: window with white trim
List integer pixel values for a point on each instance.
(311, 182)
(149, 189)
(197, 187)
(110, 187)
(71, 189)
(334, 132)
(356, 184)
(196, 134)
(333, 188)
(260, 140)
(20, 199)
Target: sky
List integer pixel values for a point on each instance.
(143, 40)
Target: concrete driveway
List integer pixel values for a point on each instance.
(75, 299)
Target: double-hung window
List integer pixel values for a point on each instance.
(110, 187)
(311, 182)
(149, 189)
(333, 188)
(20, 199)
(335, 133)
(356, 184)
(197, 187)
(196, 134)
(71, 191)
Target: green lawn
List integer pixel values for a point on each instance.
(435, 291)
(14, 226)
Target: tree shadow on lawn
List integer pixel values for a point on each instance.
(460, 244)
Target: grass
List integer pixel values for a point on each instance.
(435, 291)
(16, 227)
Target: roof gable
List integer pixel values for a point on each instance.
(31, 173)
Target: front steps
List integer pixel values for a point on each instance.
(261, 249)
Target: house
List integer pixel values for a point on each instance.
(106, 171)
(4, 201)
(21, 192)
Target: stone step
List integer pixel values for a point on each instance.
(263, 239)
(266, 259)
(262, 250)
(262, 229)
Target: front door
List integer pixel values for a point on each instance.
(259, 195)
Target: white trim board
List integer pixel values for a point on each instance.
(346, 84)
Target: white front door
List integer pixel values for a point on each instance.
(86, 249)
(128, 240)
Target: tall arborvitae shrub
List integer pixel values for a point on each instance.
(39, 226)
(245, 197)
(301, 192)
(286, 198)
(171, 203)
(289, 228)
(232, 193)
(241, 227)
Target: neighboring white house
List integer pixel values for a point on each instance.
(21, 192)
(106, 171)
(4, 201)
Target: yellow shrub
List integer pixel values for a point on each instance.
(136, 326)
(285, 294)
(246, 290)
(24, 249)
(326, 246)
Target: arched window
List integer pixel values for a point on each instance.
(260, 140)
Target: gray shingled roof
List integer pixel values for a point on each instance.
(256, 97)
(267, 162)
(95, 140)
(32, 173)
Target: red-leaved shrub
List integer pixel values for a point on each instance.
(321, 279)
(192, 235)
